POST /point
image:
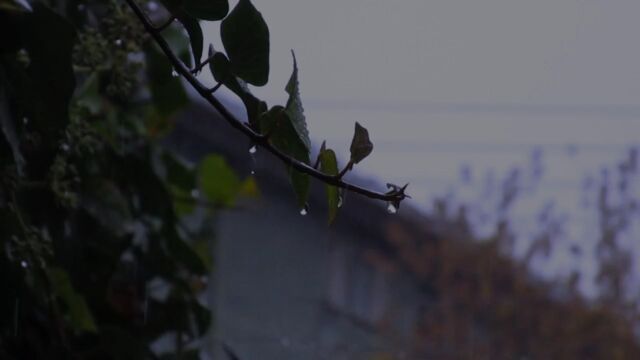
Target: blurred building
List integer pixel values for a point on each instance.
(373, 285)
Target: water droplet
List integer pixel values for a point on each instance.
(305, 210)
(64, 147)
(118, 42)
(195, 193)
(152, 6)
(339, 201)
(252, 153)
(24, 264)
(174, 73)
(25, 120)
(391, 208)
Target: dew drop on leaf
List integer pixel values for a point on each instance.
(174, 73)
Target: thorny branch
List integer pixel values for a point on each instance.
(258, 139)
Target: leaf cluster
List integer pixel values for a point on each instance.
(103, 246)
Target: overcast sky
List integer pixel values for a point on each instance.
(446, 83)
(551, 72)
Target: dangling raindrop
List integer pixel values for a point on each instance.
(174, 73)
(25, 120)
(253, 150)
(305, 210)
(342, 197)
(118, 42)
(391, 208)
(195, 193)
(24, 264)
(64, 147)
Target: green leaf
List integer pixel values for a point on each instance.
(15, 6)
(218, 181)
(79, 313)
(294, 105)
(361, 146)
(192, 25)
(283, 135)
(167, 92)
(245, 37)
(211, 10)
(329, 166)
(221, 70)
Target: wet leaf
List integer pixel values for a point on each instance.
(283, 135)
(361, 146)
(221, 70)
(167, 92)
(245, 37)
(294, 105)
(329, 165)
(196, 39)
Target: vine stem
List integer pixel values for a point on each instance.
(255, 137)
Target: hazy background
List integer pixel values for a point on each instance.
(448, 87)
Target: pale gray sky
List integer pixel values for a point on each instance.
(549, 72)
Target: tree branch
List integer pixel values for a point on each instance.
(257, 138)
